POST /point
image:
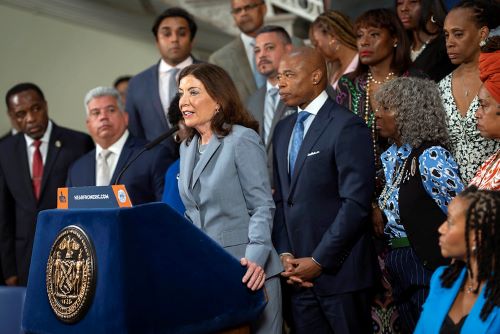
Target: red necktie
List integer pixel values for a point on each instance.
(37, 169)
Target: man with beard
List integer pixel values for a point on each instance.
(237, 57)
(271, 43)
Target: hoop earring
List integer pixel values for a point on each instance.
(395, 44)
(433, 20)
(177, 139)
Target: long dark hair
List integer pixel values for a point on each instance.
(221, 89)
(482, 219)
(384, 18)
(429, 8)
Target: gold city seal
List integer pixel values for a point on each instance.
(71, 274)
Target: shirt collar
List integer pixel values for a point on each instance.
(116, 148)
(316, 104)
(269, 86)
(45, 138)
(399, 153)
(247, 40)
(164, 67)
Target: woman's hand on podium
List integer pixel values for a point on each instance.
(12, 281)
(255, 276)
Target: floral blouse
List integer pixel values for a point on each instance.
(440, 179)
(467, 145)
(488, 176)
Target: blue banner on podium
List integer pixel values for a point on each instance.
(153, 271)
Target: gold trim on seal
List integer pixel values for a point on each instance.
(71, 274)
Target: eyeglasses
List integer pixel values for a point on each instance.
(246, 8)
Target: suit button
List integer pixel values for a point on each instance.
(290, 203)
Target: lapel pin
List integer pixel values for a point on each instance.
(58, 143)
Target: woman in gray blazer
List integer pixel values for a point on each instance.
(223, 181)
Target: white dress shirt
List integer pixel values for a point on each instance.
(112, 160)
(164, 78)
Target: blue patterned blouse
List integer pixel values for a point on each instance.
(440, 178)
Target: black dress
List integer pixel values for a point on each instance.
(434, 60)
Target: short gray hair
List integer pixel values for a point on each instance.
(102, 91)
(419, 111)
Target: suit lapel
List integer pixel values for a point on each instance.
(278, 115)
(124, 157)
(155, 91)
(187, 166)
(319, 124)
(212, 147)
(281, 149)
(21, 164)
(54, 147)
(246, 71)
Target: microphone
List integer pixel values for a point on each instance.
(147, 147)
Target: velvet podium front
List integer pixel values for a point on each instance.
(155, 273)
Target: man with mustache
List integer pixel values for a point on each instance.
(237, 57)
(115, 147)
(33, 164)
(271, 43)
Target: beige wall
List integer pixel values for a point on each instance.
(65, 60)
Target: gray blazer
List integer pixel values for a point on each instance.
(255, 105)
(228, 196)
(233, 58)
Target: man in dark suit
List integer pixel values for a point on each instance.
(324, 178)
(271, 43)
(33, 164)
(115, 147)
(150, 92)
(15, 127)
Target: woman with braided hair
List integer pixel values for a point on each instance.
(465, 296)
(332, 34)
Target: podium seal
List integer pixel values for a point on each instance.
(71, 274)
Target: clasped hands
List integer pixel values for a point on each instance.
(300, 272)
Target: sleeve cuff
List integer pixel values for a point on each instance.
(319, 264)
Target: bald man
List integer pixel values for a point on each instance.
(324, 176)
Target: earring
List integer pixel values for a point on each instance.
(395, 44)
(482, 43)
(474, 249)
(433, 20)
(177, 139)
(217, 109)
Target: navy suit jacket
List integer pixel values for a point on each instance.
(322, 209)
(146, 115)
(144, 179)
(439, 302)
(18, 205)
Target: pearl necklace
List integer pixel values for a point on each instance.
(389, 188)
(369, 117)
(387, 78)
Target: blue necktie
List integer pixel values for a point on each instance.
(297, 137)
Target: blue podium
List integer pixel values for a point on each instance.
(152, 272)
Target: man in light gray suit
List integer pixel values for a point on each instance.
(237, 57)
(271, 43)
